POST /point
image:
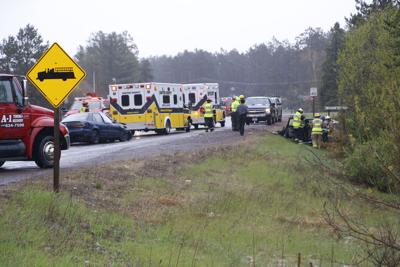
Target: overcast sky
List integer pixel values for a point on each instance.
(171, 26)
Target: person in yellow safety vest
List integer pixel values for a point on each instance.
(209, 115)
(234, 116)
(85, 107)
(298, 125)
(316, 132)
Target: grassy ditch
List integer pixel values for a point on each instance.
(257, 203)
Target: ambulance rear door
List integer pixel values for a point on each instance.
(149, 107)
(131, 100)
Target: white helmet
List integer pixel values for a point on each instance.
(300, 110)
(327, 117)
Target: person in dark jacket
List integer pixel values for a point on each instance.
(242, 111)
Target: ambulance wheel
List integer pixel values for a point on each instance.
(44, 151)
(2, 163)
(167, 129)
(95, 138)
(222, 123)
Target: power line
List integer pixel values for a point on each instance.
(256, 84)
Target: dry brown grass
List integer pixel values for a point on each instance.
(104, 186)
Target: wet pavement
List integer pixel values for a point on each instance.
(140, 146)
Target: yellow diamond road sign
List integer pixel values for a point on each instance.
(56, 75)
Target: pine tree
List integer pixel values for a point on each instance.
(111, 57)
(146, 72)
(19, 53)
(329, 86)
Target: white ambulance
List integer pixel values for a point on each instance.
(149, 106)
(195, 95)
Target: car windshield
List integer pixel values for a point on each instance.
(92, 105)
(105, 118)
(257, 101)
(76, 105)
(226, 102)
(76, 117)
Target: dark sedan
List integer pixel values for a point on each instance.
(95, 127)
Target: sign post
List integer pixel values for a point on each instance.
(313, 95)
(57, 152)
(56, 75)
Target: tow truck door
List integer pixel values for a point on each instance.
(14, 116)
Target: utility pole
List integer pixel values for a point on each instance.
(94, 81)
(313, 95)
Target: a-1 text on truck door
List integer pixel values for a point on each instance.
(14, 116)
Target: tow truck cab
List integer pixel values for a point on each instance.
(26, 131)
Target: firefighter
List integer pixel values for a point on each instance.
(298, 125)
(209, 115)
(85, 107)
(242, 111)
(316, 132)
(234, 116)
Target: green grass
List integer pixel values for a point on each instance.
(260, 201)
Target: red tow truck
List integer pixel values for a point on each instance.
(26, 131)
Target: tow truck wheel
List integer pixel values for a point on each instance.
(95, 138)
(44, 152)
(2, 163)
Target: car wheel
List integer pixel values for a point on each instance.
(222, 123)
(2, 163)
(130, 135)
(95, 138)
(44, 152)
(124, 137)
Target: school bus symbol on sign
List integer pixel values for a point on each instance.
(55, 75)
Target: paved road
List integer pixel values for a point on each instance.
(142, 145)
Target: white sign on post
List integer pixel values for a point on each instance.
(313, 91)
